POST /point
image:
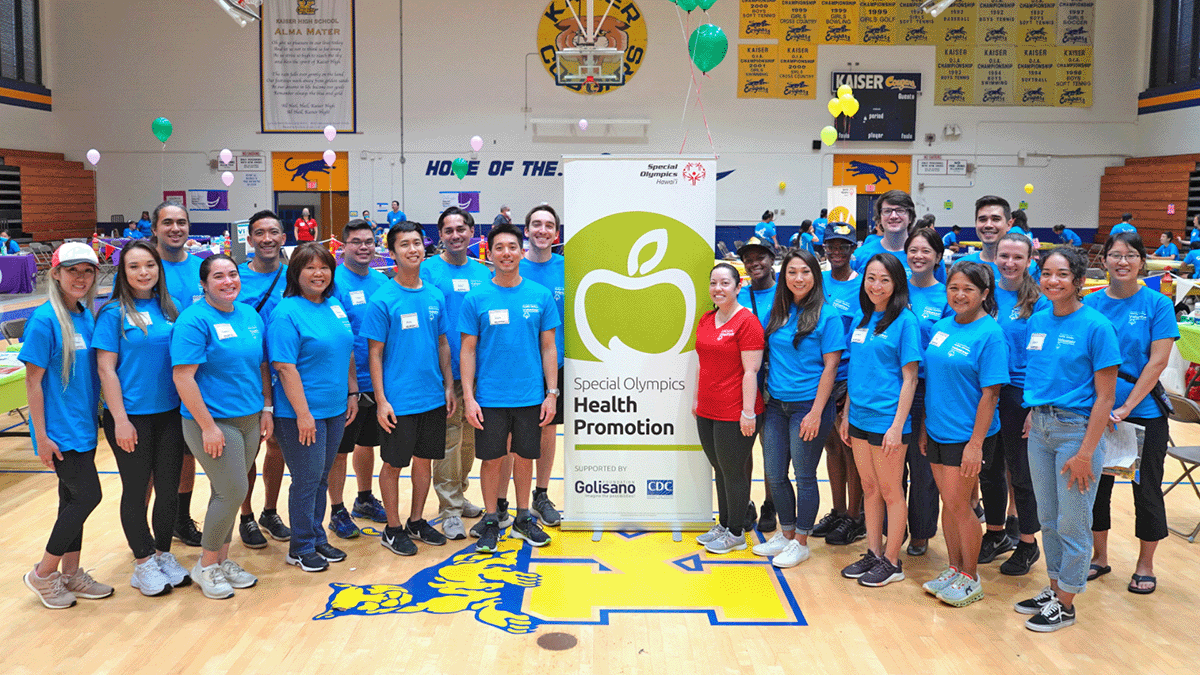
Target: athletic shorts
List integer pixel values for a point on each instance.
(364, 430)
(950, 454)
(492, 441)
(421, 435)
(839, 395)
(873, 438)
(558, 410)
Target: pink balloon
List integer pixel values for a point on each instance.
(93, 156)
(476, 143)
(227, 178)
(330, 132)
(330, 157)
(583, 125)
(226, 156)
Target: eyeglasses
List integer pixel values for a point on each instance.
(1129, 257)
(360, 242)
(893, 212)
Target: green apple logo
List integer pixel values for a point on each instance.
(635, 278)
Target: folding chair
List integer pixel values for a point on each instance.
(42, 255)
(12, 329)
(724, 250)
(1186, 411)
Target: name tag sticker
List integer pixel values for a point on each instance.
(197, 298)
(358, 298)
(1036, 341)
(146, 320)
(225, 331)
(79, 343)
(859, 336)
(338, 311)
(408, 321)
(462, 285)
(498, 317)
(939, 339)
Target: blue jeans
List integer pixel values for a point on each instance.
(781, 442)
(309, 465)
(1065, 513)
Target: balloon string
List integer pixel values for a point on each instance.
(704, 116)
(688, 98)
(161, 156)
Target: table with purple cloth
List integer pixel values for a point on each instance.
(17, 273)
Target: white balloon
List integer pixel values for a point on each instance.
(226, 156)
(583, 125)
(330, 132)
(227, 178)
(330, 157)
(93, 156)
(476, 143)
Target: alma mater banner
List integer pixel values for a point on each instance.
(307, 66)
(637, 263)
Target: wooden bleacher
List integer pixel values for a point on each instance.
(1145, 186)
(58, 197)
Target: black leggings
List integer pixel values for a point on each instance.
(78, 495)
(1150, 513)
(729, 453)
(158, 455)
(1012, 454)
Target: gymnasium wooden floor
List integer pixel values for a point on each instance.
(732, 616)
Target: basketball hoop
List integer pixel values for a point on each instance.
(589, 65)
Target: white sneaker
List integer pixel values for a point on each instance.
(772, 547)
(149, 579)
(453, 528)
(726, 543)
(211, 581)
(793, 555)
(712, 534)
(236, 576)
(177, 574)
(943, 580)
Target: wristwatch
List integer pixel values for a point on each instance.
(552, 391)
(269, 408)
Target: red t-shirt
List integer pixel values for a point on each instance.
(720, 354)
(306, 230)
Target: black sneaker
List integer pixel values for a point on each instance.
(751, 516)
(527, 528)
(1022, 559)
(1012, 527)
(309, 562)
(994, 543)
(1052, 617)
(883, 573)
(766, 518)
(825, 525)
(398, 542)
(421, 529)
(861, 566)
(489, 536)
(252, 537)
(330, 552)
(274, 526)
(546, 510)
(1036, 603)
(847, 531)
(476, 530)
(506, 519)
(186, 532)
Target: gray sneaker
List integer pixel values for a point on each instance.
(177, 574)
(962, 591)
(453, 528)
(546, 511)
(149, 579)
(883, 573)
(935, 585)
(211, 581)
(470, 510)
(236, 576)
(861, 566)
(52, 590)
(726, 543)
(713, 534)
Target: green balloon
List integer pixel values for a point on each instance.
(706, 4)
(459, 167)
(162, 129)
(687, 5)
(708, 46)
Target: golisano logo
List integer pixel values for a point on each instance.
(638, 294)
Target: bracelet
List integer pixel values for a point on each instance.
(353, 393)
(750, 416)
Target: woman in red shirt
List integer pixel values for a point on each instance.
(729, 344)
(306, 227)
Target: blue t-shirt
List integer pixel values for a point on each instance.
(960, 361)
(819, 226)
(1064, 354)
(1139, 320)
(144, 227)
(1194, 236)
(806, 242)
(765, 231)
(70, 413)
(394, 217)
(843, 295)
(1167, 250)
(761, 301)
(551, 274)
(875, 369)
(229, 348)
(1015, 331)
(183, 281)
(409, 322)
(319, 340)
(132, 233)
(795, 372)
(1122, 227)
(950, 239)
(930, 306)
(255, 285)
(143, 359)
(1068, 236)
(1193, 259)
(508, 355)
(354, 292)
(454, 281)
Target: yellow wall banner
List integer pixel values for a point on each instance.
(996, 22)
(956, 24)
(788, 68)
(994, 66)
(799, 21)
(1076, 22)
(873, 173)
(1035, 80)
(798, 71)
(955, 81)
(1073, 76)
(758, 71)
(759, 18)
(839, 22)
(913, 26)
(302, 171)
(1036, 21)
(877, 22)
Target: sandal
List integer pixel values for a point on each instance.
(1100, 570)
(1142, 579)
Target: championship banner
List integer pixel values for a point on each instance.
(638, 257)
(306, 62)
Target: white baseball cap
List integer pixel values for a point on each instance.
(73, 253)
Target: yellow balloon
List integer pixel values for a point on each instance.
(1029, 188)
(835, 106)
(845, 90)
(850, 105)
(828, 135)
(782, 185)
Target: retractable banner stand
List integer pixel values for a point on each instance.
(639, 249)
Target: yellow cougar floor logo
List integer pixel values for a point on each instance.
(577, 581)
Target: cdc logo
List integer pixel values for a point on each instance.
(660, 488)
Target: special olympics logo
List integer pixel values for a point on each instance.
(694, 172)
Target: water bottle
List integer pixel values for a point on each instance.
(226, 246)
